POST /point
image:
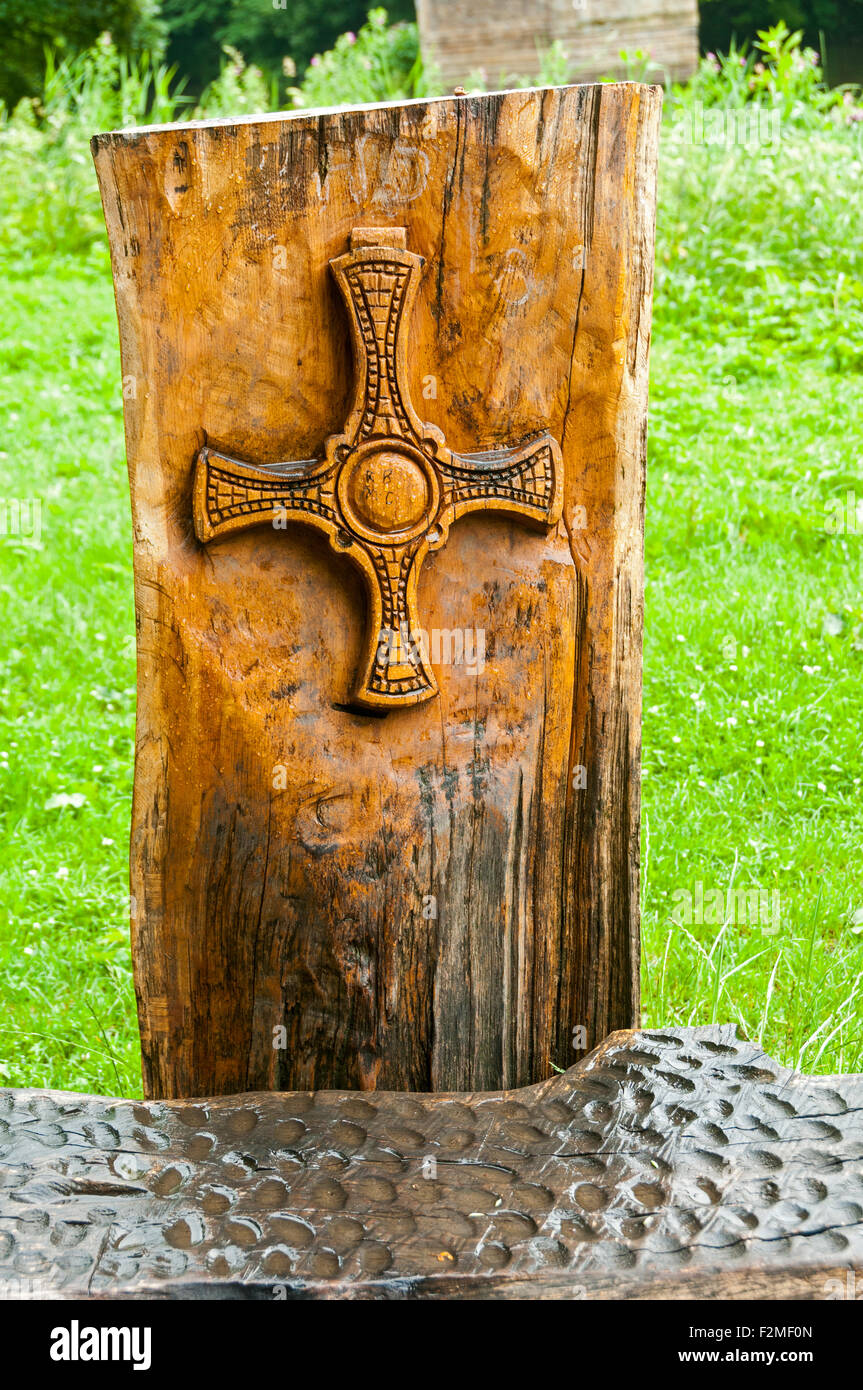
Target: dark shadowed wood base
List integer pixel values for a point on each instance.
(665, 1165)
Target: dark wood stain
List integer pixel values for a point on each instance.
(663, 1165)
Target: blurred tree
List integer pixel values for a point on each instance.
(195, 39)
(265, 32)
(26, 30)
(841, 22)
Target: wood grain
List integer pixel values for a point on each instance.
(434, 899)
(505, 39)
(673, 1165)
(387, 489)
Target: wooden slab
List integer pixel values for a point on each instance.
(674, 1165)
(436, 898)
(505, 39)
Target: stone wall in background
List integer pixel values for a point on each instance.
(504, 38)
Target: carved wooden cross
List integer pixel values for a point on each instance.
(444, 900)
(387, 489)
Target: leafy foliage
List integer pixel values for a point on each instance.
(278, 36)
(49, 203)
(761, 234)
(194, 38)
(380, 63)
(58, 212)
(27, 30)
(239, 89)
(725, 21)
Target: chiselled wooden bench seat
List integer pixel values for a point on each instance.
(663, 1165)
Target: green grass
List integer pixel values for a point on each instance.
(734, 749)
(66, 694)
(754, 702)
(754, 612)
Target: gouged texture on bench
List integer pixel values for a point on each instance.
(660, 1158)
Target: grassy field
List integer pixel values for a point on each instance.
(754, 622)
(67, 697)
(754, 704)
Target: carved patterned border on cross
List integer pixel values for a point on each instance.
(387, 489)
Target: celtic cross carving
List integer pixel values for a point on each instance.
(387, 489)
